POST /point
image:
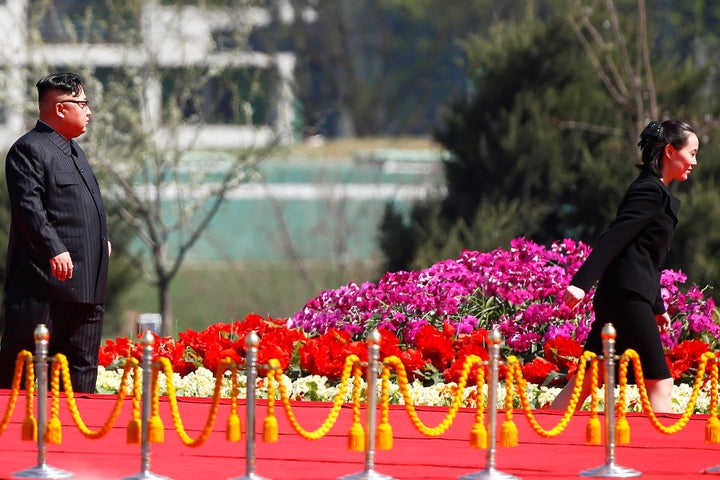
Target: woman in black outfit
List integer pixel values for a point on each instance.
(627, 259)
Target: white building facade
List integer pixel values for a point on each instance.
(169, 36)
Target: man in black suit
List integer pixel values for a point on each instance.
(58, 249)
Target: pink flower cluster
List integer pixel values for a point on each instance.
(515, 291)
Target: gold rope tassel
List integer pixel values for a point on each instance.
(356, 438)
(508, 434)
(478, 436)
(53, 429)
(712, 430)
(270, 429)
(156, 430)
(622, 431)
(622, 427)
(384, 440)
(592, 431)
(384, 433)
(508, 430)
(270, 425)
(134, 431)
(233, 428)
(29, 428)
(134, 428)
(53, 432)
(478, 433)
(712, 427)
(234, 431)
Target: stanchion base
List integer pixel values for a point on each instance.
(249, 476)
(42, 471)
(489, 474)
(715, 469)
(367, 475)
(610, 470)
(145, 475)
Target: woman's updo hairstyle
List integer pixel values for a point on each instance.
(655, 137)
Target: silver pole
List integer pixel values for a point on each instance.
(42, 469)
(145, 474)
(369, 473)
(251, 341)
(490, 472)
(610, 469)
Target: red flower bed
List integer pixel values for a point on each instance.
(438, 355)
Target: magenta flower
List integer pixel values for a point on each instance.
(513, 290)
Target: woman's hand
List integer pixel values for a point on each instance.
(572, 296)
(663, 322)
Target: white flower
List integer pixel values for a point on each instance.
(201, 383)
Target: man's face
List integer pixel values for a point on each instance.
(73, 112)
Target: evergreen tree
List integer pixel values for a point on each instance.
(533, 152)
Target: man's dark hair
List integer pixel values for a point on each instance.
(67, 82)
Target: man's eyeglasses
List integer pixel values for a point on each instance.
(80, 103)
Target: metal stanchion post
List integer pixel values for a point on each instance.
(42, 469)
(145, 474)
(251, 341)
(373, 364)
(490, 472)
(610, 469)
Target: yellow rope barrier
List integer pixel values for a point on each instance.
(395, 362)
(29, 426)
(53, 430)
(134, 429)
(29, 431)
(234, 432)
(64, 370)
(508, 429)
(156, 429)
(166, 367)
(356, 436)
(384, 435)
(514, 369)
(276, 371)
(712, 428)
(593, 428)
(478, 433)
(270, 425)
(631, 355)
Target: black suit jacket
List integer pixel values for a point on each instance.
(630, 253)
(56, 207)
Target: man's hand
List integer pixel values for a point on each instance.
(61, 266)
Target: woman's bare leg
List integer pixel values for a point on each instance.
(562, 401)
(660, 394)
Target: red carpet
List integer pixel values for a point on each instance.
(413, 457)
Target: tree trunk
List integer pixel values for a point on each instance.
(165, 309)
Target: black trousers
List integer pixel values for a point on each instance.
(634, 321)
(75, 331)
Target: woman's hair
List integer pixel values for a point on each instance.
(655, 137)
